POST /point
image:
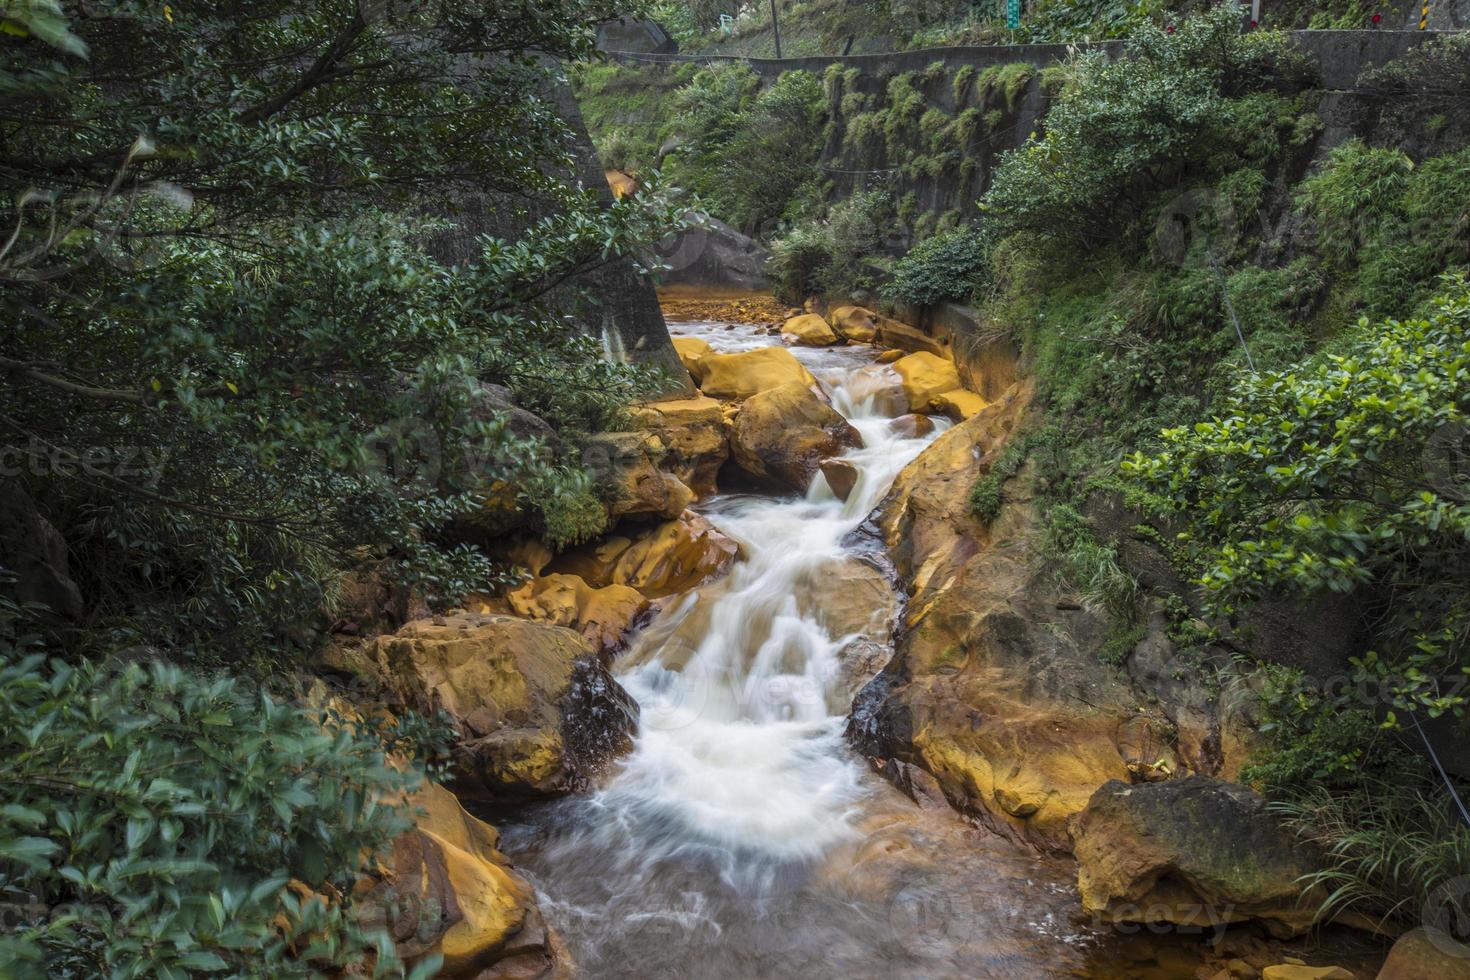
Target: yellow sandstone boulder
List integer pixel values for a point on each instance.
(692, 431)
(925, 377)
(604, 616)
(855, 323)
(747, 373)
(446, 889)
(783, 434)
(889, 356)
(809, 330)
(537, 713)
(690, 351)
(958, 404)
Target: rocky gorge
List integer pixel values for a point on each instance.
(801, 706)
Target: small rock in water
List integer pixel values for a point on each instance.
(841, 476)
(911, 426)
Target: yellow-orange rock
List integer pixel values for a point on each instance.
(889, 356)
(855, 323)
(1427, 952)
(958, 404)
(1196, 852)
(809, 330)
(622, 184)
(911, 426)
(691, 350)
(604, 616)
(627, 465)
(841, 476)
(747, 373)
(781, 435)
(982, 629)
(666, 559)
(537, 711)
(892, 333)
(446, 889)
(925, 377)
(692, 431)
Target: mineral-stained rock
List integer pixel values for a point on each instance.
(841, 476)
(668, 558)
(889, 356)
(446, 889)
(855, 324)
(992, 689)
(892, 333)
(911, 426)
(782, 435)
(691, 350)
(627, 464)
(958, 404)
(537, 712)
(926, 377)
(692, 431)
(747, 373)
(1427, 952)
(604, 616)
(809, 330)
(1195, 852)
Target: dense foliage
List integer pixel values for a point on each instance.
(225, 220)
(1346, 474)
(952, 266)
(151, 822)
(1196, 101)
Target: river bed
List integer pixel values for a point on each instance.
(742, 837)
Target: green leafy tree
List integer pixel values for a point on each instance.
(151, 821)
(1194, 103)
(1346, 474)
(220, 262)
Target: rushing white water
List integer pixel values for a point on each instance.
(742, 838)
(741, 740)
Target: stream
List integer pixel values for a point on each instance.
(742, 837)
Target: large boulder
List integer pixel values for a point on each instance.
(958, 404)
(692, 431)
(627, 466)
(446, 889)
(746, 373)
(1427, 952)
(782, 435)
(1196, 852)
(994, 688)
(690, 350)
(667, 559)
(892, 333)
(711, 255)
(604, 616)
(809, 330)
(536, 710)
(925, 377)
(855, 324)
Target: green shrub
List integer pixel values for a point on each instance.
(151, 820)
(799, 263)
(1103, 156)
(1344, 475)
(949, 267)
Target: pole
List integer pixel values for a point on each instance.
(776, 28)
